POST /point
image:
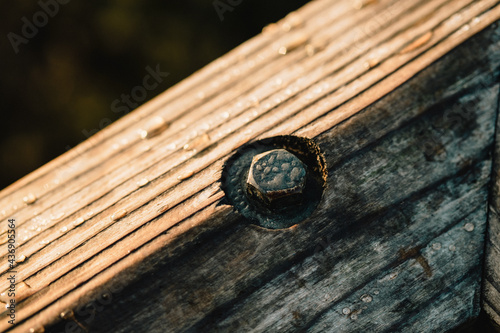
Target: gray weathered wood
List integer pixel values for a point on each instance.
(491, 282)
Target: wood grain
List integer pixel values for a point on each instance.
(133, 224)
(491, 282)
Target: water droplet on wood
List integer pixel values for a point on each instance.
(21, 258)
(67, 315)
(293, 43)
(371, 63)
(198, 142)
(420, 41)
(79, 221)
(270, 29)
(154, 127)
(436, 246)
(142, 182)
(30, 199)
(63, 229)
(358, 4)
(346, 311)
(469, 227)
(292, 21)
(119, 214)
(366, 298)
(56, 217)
(186, 175)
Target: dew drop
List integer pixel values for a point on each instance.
(56, 217)
(171, 146)
(420, 41)
(436, 246)
(185, 175)
(79, 221)
(200, 95)
(119, 214)
(346, 311)
(270, 29)
(30, 199)
(21, 258)
(452, 248)
(154, 127)
(371, 63)
(292, 21)
(39, 329)
(199, 142)
(143, 133)
(142, 182)
(469, 227)
(67, 315)
(63, 229)
(318, 90)
(358, 4)
(293, 43)
(366, 298)
(354, 316)
(310, 50)
(4, 298)
(225, 115)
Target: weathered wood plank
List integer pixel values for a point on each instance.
(491, 283)
(119, 230)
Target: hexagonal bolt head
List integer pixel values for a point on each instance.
(277, 179)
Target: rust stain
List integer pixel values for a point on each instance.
(425, 265)
(420, 41)
(414, 253)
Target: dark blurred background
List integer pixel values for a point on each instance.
(60, 84)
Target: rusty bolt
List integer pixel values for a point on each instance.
(276, 179)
